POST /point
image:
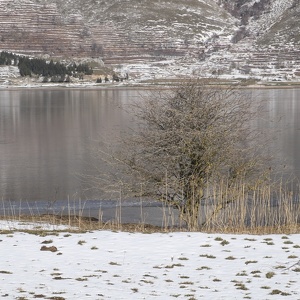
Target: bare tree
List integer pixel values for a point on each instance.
(190, 138)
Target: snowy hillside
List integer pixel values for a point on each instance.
(257, 39)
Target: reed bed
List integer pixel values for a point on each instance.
(265, 209)
(268, 208)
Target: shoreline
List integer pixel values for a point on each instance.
(144, 85)
(153, 215)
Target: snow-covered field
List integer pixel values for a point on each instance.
(119, 265)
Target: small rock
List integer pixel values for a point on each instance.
(51, 248)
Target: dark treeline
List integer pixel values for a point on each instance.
(38, 66)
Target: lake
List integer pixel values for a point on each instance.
(47, 138)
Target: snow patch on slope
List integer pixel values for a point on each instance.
(8, 72)
(278, 7)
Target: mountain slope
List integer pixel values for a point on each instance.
(284, 27)
(108, 29)
(165, 37)
(268, 22)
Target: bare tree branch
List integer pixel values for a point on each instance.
(189, 138)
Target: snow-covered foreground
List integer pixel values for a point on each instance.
(119, 265)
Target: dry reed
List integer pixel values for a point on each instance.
(265, 209)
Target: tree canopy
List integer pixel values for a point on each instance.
(38, 66)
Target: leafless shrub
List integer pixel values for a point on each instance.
(194, 144)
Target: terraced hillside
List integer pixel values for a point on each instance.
(27, 26)
(127, 29)
(165, 37)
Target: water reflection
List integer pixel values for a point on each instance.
(281, 119)
(46, 136)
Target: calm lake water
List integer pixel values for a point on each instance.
(47, 136)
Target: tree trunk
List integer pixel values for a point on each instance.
(189, 213)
